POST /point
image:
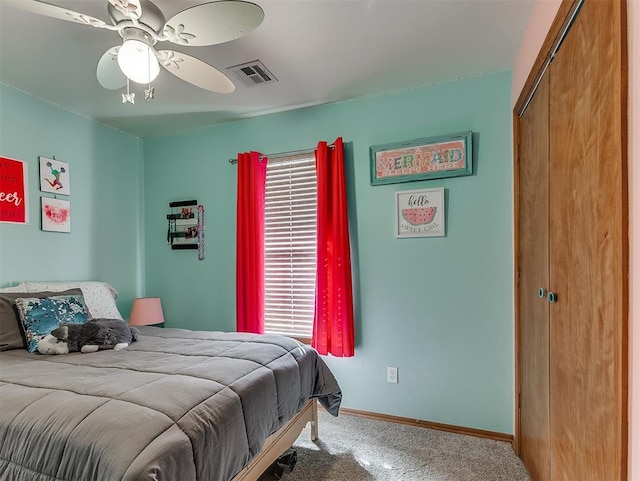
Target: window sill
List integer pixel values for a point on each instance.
(303, 340)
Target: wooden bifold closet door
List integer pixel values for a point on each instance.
(533, 282)
(572, 255)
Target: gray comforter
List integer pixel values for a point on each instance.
(175, 406)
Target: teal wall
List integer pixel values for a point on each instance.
(439, 309)
(105, 168)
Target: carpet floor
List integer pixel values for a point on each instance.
(352, 448)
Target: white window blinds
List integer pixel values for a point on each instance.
(290, 245)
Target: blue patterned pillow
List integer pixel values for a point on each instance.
(41, 316)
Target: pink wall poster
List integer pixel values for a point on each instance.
(14, 207)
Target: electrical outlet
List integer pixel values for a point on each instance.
(392, 375)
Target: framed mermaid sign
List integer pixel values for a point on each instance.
(54, 176)
(422, 159)
(420, 213)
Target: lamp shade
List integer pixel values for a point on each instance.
(145, 311)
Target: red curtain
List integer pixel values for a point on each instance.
(333, 318)
(252, 174)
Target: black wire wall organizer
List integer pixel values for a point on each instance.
(185, 230)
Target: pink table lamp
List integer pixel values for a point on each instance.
(146, 311)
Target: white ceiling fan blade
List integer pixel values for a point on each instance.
(213, 23)
(195, 71)
(128, 8)
(42, 8)
(108, 72)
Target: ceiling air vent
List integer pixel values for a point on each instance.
(253, 73)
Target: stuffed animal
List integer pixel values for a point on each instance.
(52, 345)
(93, 335)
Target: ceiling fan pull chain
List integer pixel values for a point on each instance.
(149, 93)
(129, 96)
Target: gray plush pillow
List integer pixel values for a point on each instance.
(11, 333)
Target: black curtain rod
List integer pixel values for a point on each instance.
(284, 154)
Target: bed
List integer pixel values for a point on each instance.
(175, 405)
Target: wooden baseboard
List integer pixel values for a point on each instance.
(430, 425)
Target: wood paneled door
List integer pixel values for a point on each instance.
(572, 255)
(533, 282)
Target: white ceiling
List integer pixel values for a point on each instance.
(319, 50)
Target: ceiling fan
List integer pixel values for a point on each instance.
(141, 24)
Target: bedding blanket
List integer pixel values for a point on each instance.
(177, 405)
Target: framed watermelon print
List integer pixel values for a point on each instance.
(420, 213)
(422, 159)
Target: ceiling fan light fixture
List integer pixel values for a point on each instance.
(138, 61)
(141, 25)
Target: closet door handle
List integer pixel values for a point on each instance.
(541, 293)
(552, 297)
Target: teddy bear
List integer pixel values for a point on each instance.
(89, 337)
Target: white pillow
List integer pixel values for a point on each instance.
(19, 288)
(98, 296)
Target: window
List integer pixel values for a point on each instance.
(290, 245)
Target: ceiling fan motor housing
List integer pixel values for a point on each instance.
(133, 33)
(151, 16)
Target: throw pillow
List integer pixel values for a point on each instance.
(41, 316)
(11, 335)
(98, 296)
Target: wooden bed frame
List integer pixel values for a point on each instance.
(280, 441)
